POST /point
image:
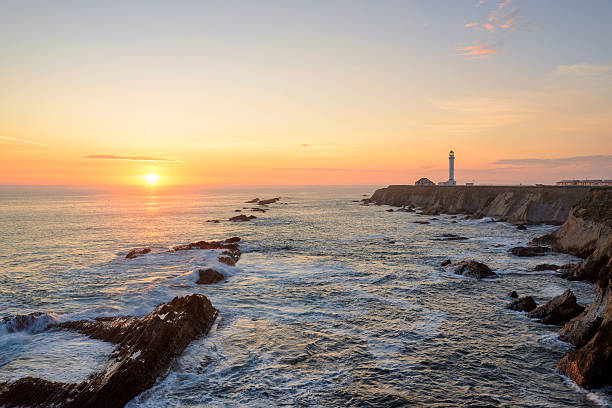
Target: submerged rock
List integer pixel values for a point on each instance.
(208, 276)
(546, 267)
(137, 252)
(445, 262)
(521, 227)
(146, 348)
(471, 269)
(523, 304)
(450, 237)
(242, 217)
(421, 222)
(558, 310)
(529, 251)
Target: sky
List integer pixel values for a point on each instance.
(229, 93)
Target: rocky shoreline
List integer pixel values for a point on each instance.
(586, 232)
(146, 347)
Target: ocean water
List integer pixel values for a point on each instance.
(333, 304)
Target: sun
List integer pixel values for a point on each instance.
(151, 178)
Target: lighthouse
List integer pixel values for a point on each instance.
(451, 171)
(451, 166)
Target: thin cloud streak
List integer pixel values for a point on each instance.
(129, 158)
(599, 160)
(14, 139)
(582, 69)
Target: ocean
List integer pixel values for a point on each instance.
(333, 303)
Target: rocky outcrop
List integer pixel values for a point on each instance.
(146, 347)
(558, 310)
(242, 217)
(546, 267)
(268, 201)
(471, 269)
(519, 205)
(209, 276)
(529, 251)
(137, 252)
(523, 304)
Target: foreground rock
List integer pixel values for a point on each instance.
(546, 267)
(559, 310)
(209, 276)
(529, 251)
(137, 252)
(523, 304)
(471, 269)
(242, 217)
(146, 348)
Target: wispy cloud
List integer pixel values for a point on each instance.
(603, 161)
(129, 158)
(14, 139)
(582, 69)
(477, 50)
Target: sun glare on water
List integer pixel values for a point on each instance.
(151, 178)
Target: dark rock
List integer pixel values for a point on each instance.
(226, 260)
(513, 294)
(453, 222)
(268, 201)
(471, 269)
(208, 276)
(523, 304)
(434, 219)
(449, 237)
(559, 310)
(137, 252)
(255, 200)
(215, 221)
(146, 348)
(242, 217)
(546, 267)
(390, 210)
(446, 262)
(421, 222)
(237, 210)
(232, 240)
(529, 251)
(581, 329)
(258, 210)
(521, 227)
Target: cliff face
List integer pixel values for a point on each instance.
(588, 232)
(520, 205)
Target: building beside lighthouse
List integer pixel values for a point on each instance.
(451, 171)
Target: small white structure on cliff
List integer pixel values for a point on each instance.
(451, 171)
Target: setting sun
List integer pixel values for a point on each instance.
(151, 178)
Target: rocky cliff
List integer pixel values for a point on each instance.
(588, 233)
(520, 205)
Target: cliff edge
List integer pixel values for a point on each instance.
(519, 205)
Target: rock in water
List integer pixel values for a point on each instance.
(529, 251)
(521, 227)
(446, 262)
(471, 269)
(513, 294)
(208, 276)
(268, 201)
(137, 252)
(242, 217)
(255, 200)
(546, 267)
(524, 304)
(146, 348)
(558, 310)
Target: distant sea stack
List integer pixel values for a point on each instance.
(516, 204)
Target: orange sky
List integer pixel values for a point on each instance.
(279, 101)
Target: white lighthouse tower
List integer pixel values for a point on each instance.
(451, 167)
(451, 171)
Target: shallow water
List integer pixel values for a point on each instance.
(332, 303)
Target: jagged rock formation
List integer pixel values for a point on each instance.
(242, 217)
(519, 205)
(558, 310)
(471, 269)
(137, 252)
(208, 276)
(146, 347)
(523, 304)
(587, 233)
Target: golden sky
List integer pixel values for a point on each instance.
(288, 93)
